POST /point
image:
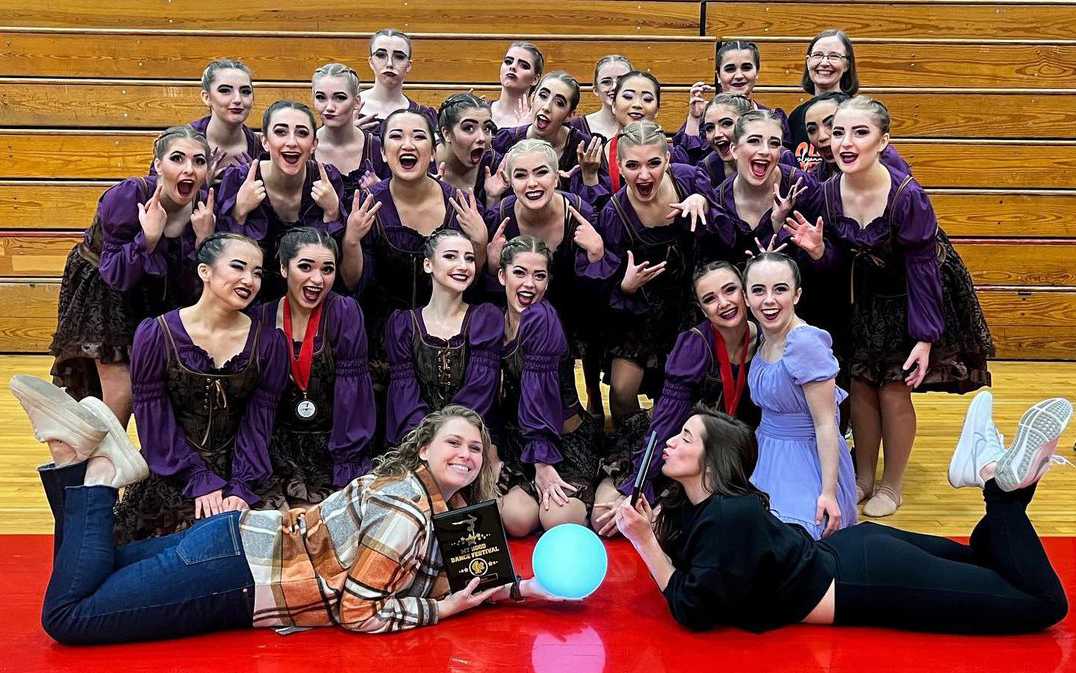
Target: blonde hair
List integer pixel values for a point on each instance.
(875, 108)
(338, 70)
(404, 459)
(642, 132)
(529, 145)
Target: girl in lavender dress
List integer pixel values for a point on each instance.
(915, 322)
(803, 461)
(548, 443)
(135, 261)
(207, 380)
(446, 352)
(326, 417)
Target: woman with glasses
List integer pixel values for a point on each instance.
(829, 65)
(390, 61)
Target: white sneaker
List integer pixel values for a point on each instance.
(1036, 440)
(980, 443)
(55, 415)
(128, 462)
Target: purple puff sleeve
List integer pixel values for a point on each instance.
(684, 371)
(485, 342)
(163, 442)
(125, 257)
(695, 146)
(808, 355)
(612, 232)
(595, 195)
(506, 137)
(405, 407)
(541, 416)
(584, 268)
(354, 411)
(250, 460)
(917, 236)
(787, 158)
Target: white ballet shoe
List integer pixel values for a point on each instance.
(1036, 440)
(127, 461)
(980, 443)
(55, 415)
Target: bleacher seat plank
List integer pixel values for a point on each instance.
(29, 316)
(156, 104)
(589, 17)
(1031, 215)
(947, 114)
(42, 255)
(969, 21)
(283, 57)
(1019, 262)
(989, 164)
(49, 205)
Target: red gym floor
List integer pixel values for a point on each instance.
(623, 628)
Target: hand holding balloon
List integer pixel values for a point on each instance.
(570, 561)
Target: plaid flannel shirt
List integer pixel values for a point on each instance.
(365, 558)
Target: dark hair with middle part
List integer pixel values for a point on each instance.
(638, 73)
(730, 452)
(213, 247)
(162, 142)
(296, 238)
(716, 265)
(267, 117)
(573, 84)
(451, 111)
(850, 79)
(780, 258)
(405, 111)
(753, 116)
(837, 97)
(737, 101)
(525, 243)
(439, 234)
(739, 45)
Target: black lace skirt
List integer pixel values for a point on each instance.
(879, 341)
(96, 323)
(580, 451)
(152, 507)
(302, 469)
(624, 442)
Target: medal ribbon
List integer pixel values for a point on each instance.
(300, 367)
(614, 166)
(731, 399)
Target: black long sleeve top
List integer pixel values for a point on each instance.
(738, 565)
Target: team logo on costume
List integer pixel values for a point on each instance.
(807, 156)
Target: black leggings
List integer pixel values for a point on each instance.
(1002, 582)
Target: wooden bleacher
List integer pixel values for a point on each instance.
(983, 96)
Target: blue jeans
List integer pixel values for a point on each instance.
(190, 582)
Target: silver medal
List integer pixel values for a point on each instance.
(306, 409)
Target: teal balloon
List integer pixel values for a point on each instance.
(570, 561)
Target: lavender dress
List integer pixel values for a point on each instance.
(788, 468)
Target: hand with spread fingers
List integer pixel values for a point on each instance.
(590, 160)
(362, 217)
(365, 122)
(495, 183)
(769, 247)
(551, 488)
(809, 237)
(470, 217)
(324, 194)
(603, 516)
(693, 207)
(782, 205)
(208, 505)
(638, 275)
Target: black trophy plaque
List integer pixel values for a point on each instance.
(473, 544)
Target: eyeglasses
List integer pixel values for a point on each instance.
(818, 57)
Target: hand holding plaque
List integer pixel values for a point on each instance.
(474, 546)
